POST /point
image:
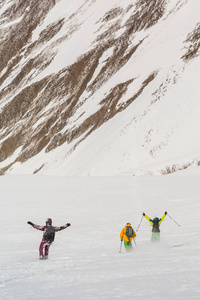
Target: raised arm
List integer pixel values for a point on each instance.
(150, 221)
(61, 227)
(162, 218)
(38, 227)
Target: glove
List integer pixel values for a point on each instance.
(165, 212)
(30, 223)
(68, 224)
(143, 214)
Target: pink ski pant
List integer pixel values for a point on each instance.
(44, 248)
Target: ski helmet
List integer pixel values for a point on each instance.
(49, 221)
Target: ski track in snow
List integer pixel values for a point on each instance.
(84, 261)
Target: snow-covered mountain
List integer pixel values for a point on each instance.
(92, 87)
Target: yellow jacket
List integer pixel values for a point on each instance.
(123, 234)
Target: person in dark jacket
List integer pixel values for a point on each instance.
(48, 236)
(155, 226)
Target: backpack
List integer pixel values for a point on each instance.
(129, 231)
(49, 234)
(156, 225)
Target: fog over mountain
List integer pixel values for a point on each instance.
(92, 87)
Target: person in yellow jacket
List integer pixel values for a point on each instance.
(127, 234)
(155, 226)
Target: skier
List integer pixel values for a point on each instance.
(127, 234)
(155, 226)
(48, 236)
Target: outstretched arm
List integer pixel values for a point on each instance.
(61, 227)
(150, 221)
(162, 218)
(38, 227)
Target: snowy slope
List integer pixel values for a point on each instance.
(101, 88)
(84, 261)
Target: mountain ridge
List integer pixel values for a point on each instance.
(70, 71)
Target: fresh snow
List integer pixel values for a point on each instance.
(84, 261)
(151, 134)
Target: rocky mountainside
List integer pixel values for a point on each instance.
(92, 87)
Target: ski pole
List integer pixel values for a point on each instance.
(140, 223)
(120, 247)
(173, 220)
(135, 242)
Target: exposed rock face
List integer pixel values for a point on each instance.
(192, 44)
(36, 109)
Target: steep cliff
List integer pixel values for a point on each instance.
(95, 88)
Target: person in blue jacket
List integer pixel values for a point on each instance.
(155, 223)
